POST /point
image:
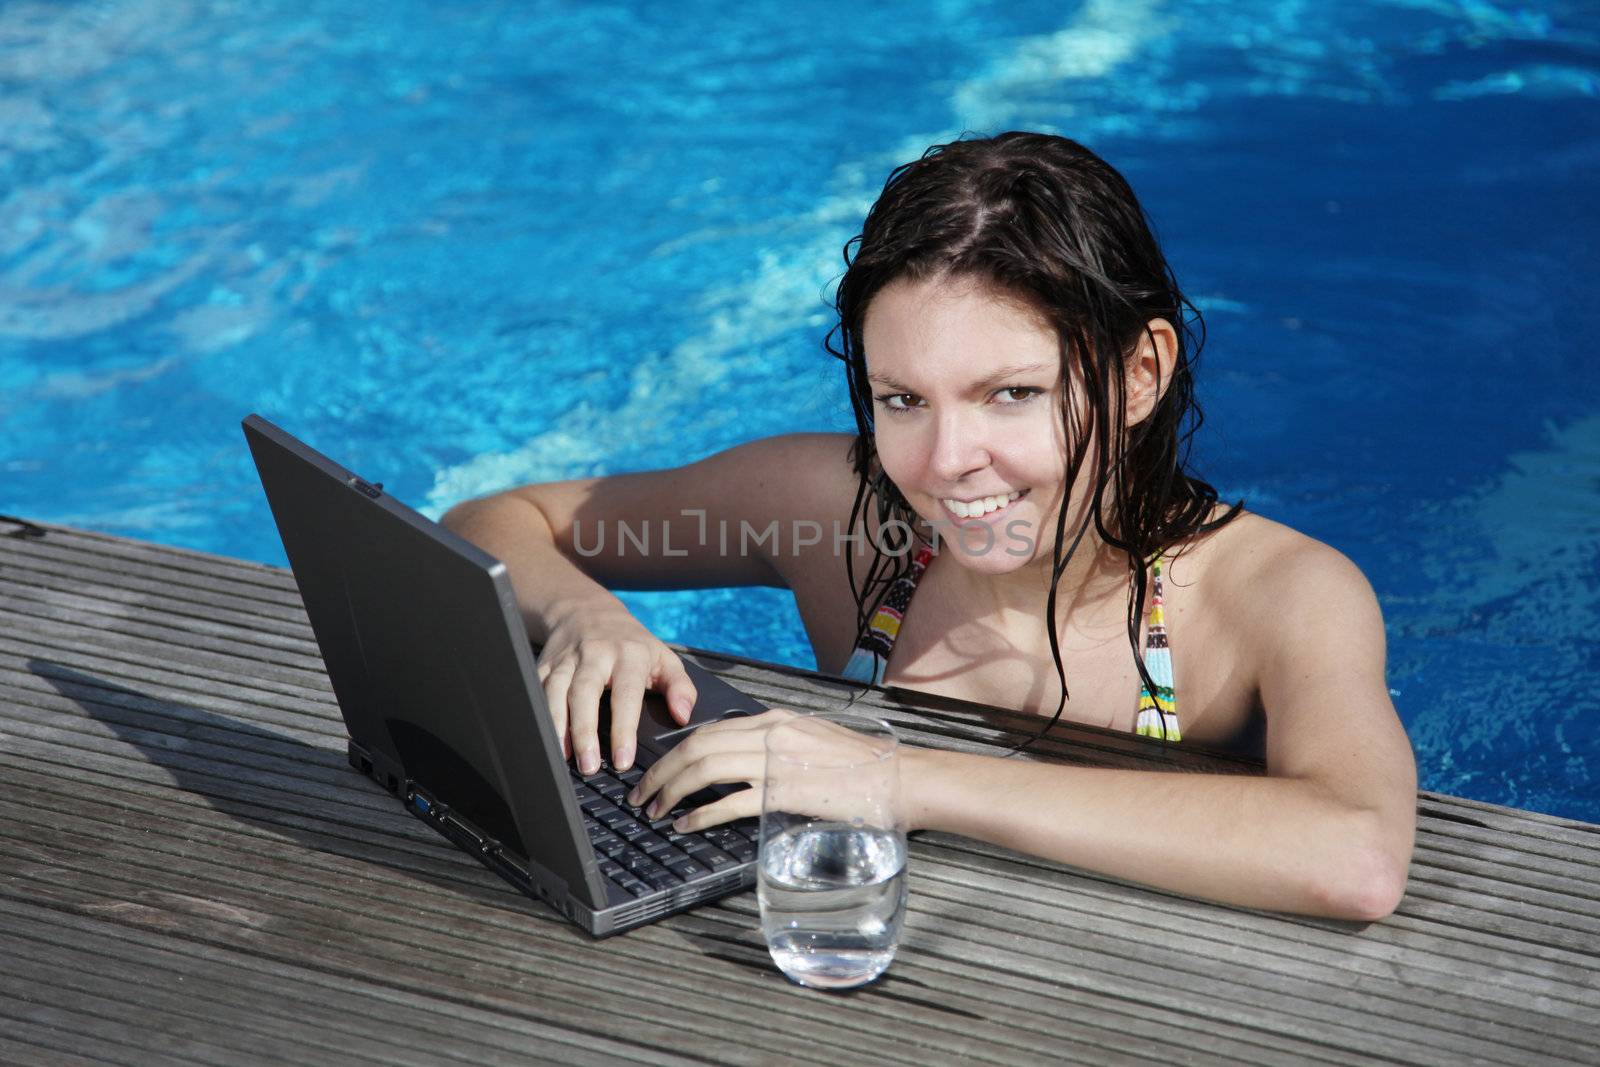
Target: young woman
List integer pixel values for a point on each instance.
(1026, 535)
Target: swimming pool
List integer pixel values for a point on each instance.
(465, 245)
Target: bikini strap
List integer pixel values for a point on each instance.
(1158, 711)
(870, 660)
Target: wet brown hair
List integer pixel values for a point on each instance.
(1042, 218)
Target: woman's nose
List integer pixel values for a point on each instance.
(959, 446)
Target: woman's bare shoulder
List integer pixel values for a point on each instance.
(1262, 575)
(816, 469)
(829, 449)
(810, 482)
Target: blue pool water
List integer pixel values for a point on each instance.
(463, 245)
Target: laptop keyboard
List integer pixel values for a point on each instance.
(643, 856)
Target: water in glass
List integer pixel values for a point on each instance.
(832, 901)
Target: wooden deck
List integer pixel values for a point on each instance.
(190, 872)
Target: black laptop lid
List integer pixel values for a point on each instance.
(427, 654)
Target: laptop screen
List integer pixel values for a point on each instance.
(426, 652)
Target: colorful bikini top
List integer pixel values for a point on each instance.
(1158, 711)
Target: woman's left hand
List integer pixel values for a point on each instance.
(733, 750)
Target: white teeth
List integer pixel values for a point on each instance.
(982, 506)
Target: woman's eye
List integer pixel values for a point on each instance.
(896, 401)
(1019, 394)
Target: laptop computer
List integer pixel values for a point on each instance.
(436, 680)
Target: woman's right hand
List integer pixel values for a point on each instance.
(599, 647)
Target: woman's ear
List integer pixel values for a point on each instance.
(1155, 354)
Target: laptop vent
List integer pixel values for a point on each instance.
(644, 911)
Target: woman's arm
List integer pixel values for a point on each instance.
(566, 544)
(1328, 832)
(1284, 844)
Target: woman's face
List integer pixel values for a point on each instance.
(967, 404)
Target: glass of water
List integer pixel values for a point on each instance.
(832, 867)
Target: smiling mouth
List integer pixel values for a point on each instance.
(983, 507)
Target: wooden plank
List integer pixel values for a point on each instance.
(107, 552)
(662, 1021)
(1503, 856)
(228, 767)
(1485, 874)
(1291, 989)
(303, 691)
(1024, 957)
(153, 1037)
(1513, 820)
(389, 836)
(24, 603)
(392, 1012)
(117, 592)
(388, 833)
(96, 613)
(1516, 853)
(1409, 994)
(1395, 939)
(165, 1010)
(24, 1042)
(1120, 1041)
(208, 895)
(400, 903)
(384, 800)
(189, 999)
(166, 983)
(49, 566)
(59, 696)
(1518, 856)
(421, 939)
(115, 651)
(181, 561)
(439, 871)
(396, 895)
(1575, 898)
(152, 833)
(1269, 947)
